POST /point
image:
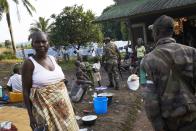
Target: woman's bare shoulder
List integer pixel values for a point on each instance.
(28, 64)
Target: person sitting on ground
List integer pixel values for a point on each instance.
(87, 68)
(81, 85)
(15, 82)
(78, 69)
(96, 70)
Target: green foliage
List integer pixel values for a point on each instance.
(124, 30)
(7, 55)
(41, 25)
(4, 8)
(107, 8)
(70, 65)
(7, 43)
(92, 60)
(75, 26)
(4, 4)
(1, 12)
(28, 46)
(2, 44)
(112, 29)
(115, 29)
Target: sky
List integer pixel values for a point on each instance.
(44, 8)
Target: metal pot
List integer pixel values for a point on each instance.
(108, 95)
(89, 120)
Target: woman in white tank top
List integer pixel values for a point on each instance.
(42, 76)
(45, 94)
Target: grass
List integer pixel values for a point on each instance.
(11, 61)
(4, 50)
(7, 56)
(70, 65)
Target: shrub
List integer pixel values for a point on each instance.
(93, 59)
(68, 65)
(7, 55)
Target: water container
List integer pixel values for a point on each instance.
(15, 97)
(133, 85)
(5, 97)
(1, 91)
(100, 105)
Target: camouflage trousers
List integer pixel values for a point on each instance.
(183, 123)
(113, 74)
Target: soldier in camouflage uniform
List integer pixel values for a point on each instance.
(170, 86)
(111, 58)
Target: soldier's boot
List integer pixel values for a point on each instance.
(117, 85)
(99, 83)
(111, 85)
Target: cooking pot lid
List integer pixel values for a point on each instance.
(105, 94)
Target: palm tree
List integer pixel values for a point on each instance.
(41, 25)
(1, 12)
(4, 8)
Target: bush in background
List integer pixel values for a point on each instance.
(67, 65)
(7, 55)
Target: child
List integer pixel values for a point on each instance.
(15, 82)
(96, 70)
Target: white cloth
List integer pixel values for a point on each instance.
(130, 50)
(97, 66)
(15, 82)
(42, 76)
(97, 75)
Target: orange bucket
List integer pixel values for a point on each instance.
(15, 97)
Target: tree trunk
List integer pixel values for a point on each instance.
(11, 32)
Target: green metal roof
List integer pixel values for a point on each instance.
(139, 7)
(122, 10)
(157, 5)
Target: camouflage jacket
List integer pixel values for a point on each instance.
(171, 81)
(111, 53)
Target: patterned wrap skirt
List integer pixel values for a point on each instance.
(51, 106)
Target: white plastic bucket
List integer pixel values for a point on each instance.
(133, 85)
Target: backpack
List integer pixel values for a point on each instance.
(178, 98)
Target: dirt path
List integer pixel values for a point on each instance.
(142, 123)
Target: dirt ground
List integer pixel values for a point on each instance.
(142, 123)
(124, 114)
(18, 116)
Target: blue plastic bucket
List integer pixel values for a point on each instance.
(100, 105)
